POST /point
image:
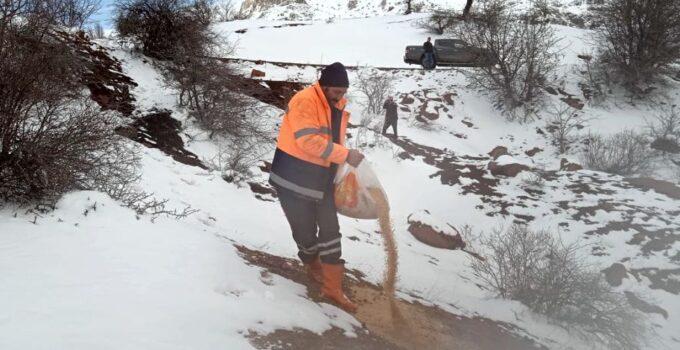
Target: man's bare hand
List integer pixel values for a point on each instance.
(354, 157)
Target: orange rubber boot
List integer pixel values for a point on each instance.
(314, 270)
(332, 286)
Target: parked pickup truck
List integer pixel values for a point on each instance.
(449, 52)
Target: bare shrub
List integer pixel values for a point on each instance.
(638, 39)
(56, 147)
(548, 276)
(67, 13)
(624, 153)
(208, 89)
(369, 135)
(225, 11)
(375, 86)
(564, 121)
(178, 31)
(235, 160)
(53, 139)
(439, 21)
(165, 29)
(97, 31)
(533, 180)
(119, 178)
(523, 49)
(596, 79)
(665, 130)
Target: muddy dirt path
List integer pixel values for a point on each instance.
(423, 327)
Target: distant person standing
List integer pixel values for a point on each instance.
(429, 54)
(391, 116)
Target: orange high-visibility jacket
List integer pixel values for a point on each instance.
(305, 148)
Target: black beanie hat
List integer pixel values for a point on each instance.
(334, 75)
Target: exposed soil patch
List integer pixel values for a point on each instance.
(407, 100)
(644, 306)
(158, 129)
(573, 102)
(276, 93)
(448, 98)
(434, 238)
(333, 339)
(263, 192)
(108, 86)
(615, 274)
(663, 187)
(498, 151)
(532, 152)
(424, 114)
(427, 327)
(431, 106)
(509, 170)
(668, 280)
(453, 168)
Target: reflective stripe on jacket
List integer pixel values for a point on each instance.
(305, 148)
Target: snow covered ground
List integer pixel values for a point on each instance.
(343, 9)
(91, 275)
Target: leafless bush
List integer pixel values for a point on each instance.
(375, 86)
(52, 138)
(119, 178)
(368, 135)
(439, 21)
(624, 153)
(43, 13)
(549, 277)
(207, 88)
(166, 29)
(236, 159)
(564, 121)
(523, 49)
(178, 31)
(596, 79)
(225, 11)
(665, 130)
(97, 31)
(534, 180)
(638, 39)
(67, 13)
(57, 147)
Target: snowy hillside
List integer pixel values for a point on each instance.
(92, 274)
(334, 9)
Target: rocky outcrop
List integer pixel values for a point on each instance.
(497, 152)
(428, 232)
(565, 165)
(615, 274)
(505, 165)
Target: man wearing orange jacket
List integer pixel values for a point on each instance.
(310, 146)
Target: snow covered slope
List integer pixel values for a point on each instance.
(90, 274)
(336, 9)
